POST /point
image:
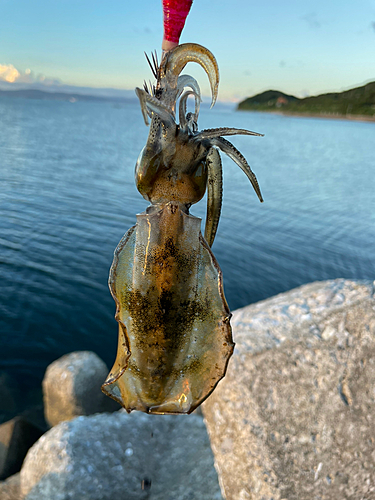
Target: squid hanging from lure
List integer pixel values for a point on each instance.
(175, 338)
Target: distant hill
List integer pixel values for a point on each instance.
(59, 96)
(359, 101)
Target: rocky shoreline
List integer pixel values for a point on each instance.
(292, 420)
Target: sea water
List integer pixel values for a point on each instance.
(68, 195)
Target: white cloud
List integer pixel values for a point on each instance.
(13, 79)
(8, 73)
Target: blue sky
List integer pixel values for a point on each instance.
(303, 48)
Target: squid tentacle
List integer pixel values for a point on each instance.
(182, 108)
(214, 195)
(233, 153)
(150, 104)
(210, 133)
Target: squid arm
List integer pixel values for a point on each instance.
(187, 81)
(192, 52)
(233, 153)
(218, 132)
(182, 107)
(150, 104)
(214, 194)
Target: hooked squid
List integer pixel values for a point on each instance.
(175, 337)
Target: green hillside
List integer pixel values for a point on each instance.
(358, 101)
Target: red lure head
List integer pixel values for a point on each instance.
(175, 14)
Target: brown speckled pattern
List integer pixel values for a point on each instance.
(173, 317)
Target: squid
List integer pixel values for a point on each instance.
(175, 338)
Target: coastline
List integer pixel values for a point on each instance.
(328, 116)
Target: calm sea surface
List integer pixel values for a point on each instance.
(68, 195)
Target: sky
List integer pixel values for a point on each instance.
(300, 48)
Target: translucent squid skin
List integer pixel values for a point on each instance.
(175, 338)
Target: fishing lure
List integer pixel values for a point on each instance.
(174, 15)
(175, 338)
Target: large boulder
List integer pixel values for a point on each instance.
(294, 418)
(72, 387)
(16, 437)
(10, 489)
(124, 457)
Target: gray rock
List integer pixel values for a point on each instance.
(294, 418)
(72, 387)
(111, 456)
(16, 437)
(10, 489)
